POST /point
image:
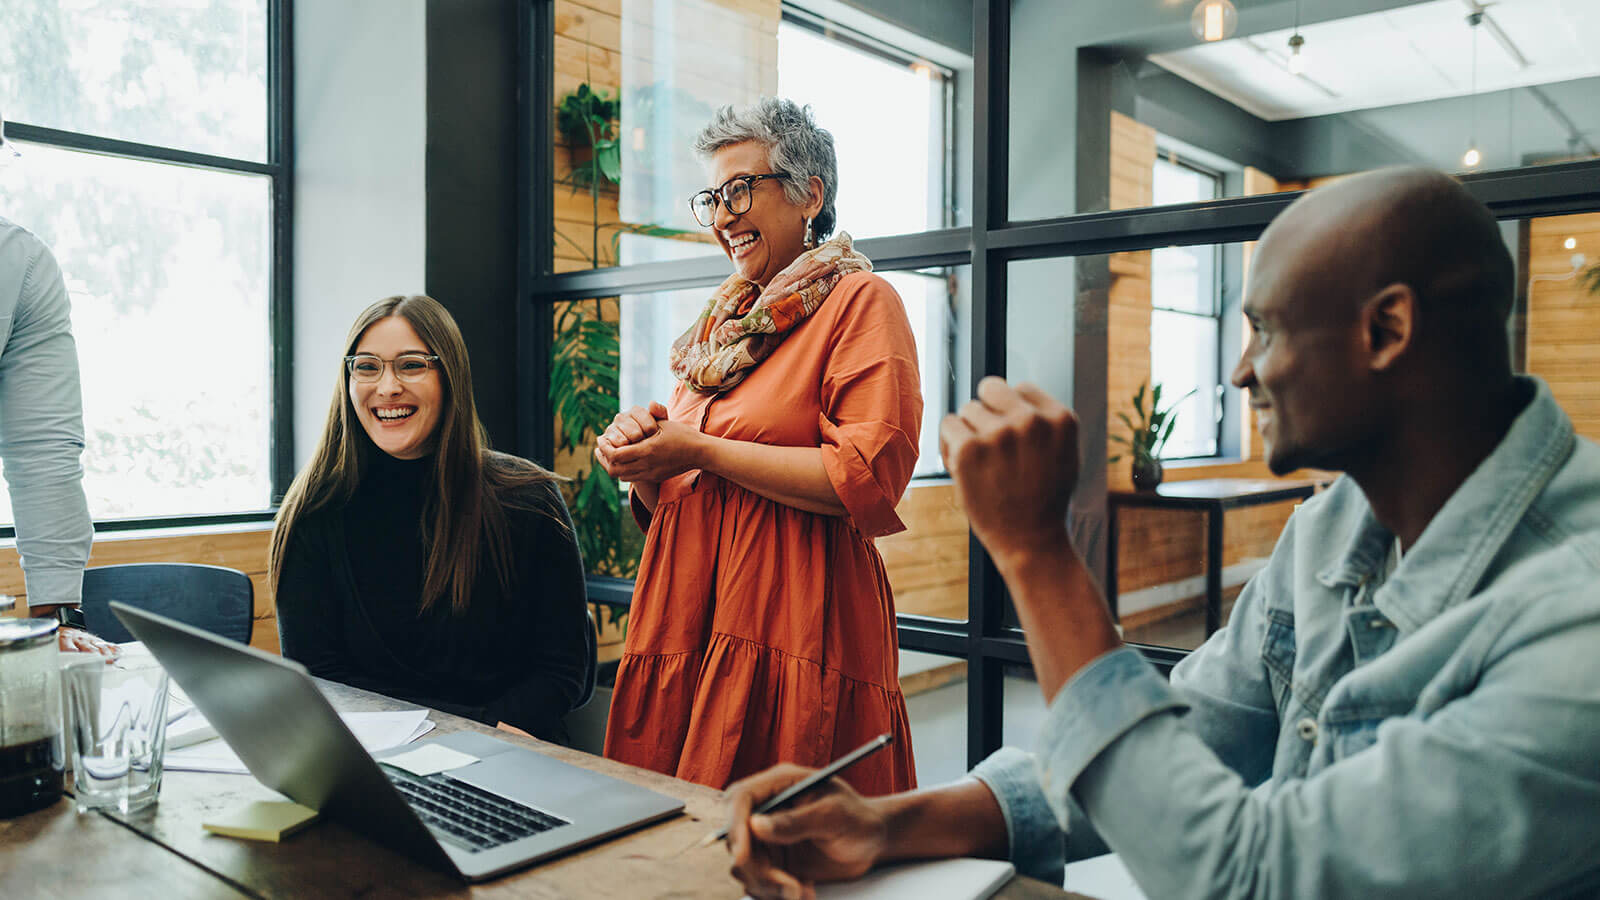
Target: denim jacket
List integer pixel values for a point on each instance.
(41, 420)
(1434, 733)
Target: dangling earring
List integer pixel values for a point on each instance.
(811, 239)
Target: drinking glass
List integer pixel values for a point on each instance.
(118, 712)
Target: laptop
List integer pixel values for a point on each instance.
(512, 808)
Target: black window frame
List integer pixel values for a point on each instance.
(1218, 305)
(986, 641)
(279, 168)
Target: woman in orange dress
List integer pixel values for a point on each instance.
(763, 626)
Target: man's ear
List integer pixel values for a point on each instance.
(1389, 321)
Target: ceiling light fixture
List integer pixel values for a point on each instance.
(1472, 158)
(1214, 20)
(1297, 43)
(1498, 33)
(1570, 244)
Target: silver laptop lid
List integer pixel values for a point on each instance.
(272, 714)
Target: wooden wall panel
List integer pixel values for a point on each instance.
(927, 563)
(1564, 317)
(1133, 159)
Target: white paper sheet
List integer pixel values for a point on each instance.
(429, 759)
(377, 731)
(947, 879)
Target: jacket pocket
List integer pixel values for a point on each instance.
(1277, 654)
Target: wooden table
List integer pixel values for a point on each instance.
(1214, 496)
(164, 851)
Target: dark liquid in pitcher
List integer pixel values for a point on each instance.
(30, 777)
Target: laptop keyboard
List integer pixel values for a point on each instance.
(470, 817)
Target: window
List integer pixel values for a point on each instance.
(1186, 319)
(150, 169)
(824, 66)
(621, 187)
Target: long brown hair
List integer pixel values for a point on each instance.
(472, 484)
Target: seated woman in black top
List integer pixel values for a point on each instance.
(411, 560)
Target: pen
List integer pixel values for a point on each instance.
(811, 781)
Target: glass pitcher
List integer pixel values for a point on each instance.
(31, 749)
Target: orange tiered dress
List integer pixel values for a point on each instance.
(761, 633)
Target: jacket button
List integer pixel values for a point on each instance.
(1307, 729)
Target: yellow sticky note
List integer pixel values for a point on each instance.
(262, 820)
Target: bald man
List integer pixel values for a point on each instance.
(1405, 702)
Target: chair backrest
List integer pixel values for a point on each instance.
(214, 598)
(591, 639)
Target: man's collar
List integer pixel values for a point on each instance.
(1463, 538)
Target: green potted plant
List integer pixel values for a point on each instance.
(1147, 435)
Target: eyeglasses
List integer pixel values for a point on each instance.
(734, 193)
(366, 369)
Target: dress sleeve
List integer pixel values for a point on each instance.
(871, 405)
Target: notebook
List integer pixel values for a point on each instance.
(947, 879)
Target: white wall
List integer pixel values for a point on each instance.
(360, 70)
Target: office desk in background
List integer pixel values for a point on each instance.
(164, 852)
(1214, 497)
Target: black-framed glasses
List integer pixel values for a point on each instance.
(366, 368)
(734, 193)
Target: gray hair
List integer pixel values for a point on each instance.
(796, 147)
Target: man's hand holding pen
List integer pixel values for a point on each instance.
(830, 833)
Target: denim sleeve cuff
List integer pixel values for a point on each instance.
(53, 587)
(1036, 843)
(1104, 699)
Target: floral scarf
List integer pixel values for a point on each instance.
(723, 346)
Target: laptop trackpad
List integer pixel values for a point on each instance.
(531, 778)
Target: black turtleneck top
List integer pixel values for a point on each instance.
(349, 606)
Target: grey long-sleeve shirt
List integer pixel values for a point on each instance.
(41, 420)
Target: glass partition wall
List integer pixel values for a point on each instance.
(1080, 219)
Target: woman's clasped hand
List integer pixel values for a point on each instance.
(642, 444)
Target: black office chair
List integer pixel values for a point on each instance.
(591, 639)
(214, 598)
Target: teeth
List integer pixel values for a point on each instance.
(395, 413)
(741, 241)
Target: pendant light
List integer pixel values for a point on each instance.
(1473, 157)
(1297, 43)
(1214, 20)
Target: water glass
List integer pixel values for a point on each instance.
(118, 716)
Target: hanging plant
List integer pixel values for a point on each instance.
(587, 117)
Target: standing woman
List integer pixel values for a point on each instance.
(763, 627)
(410, 559)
